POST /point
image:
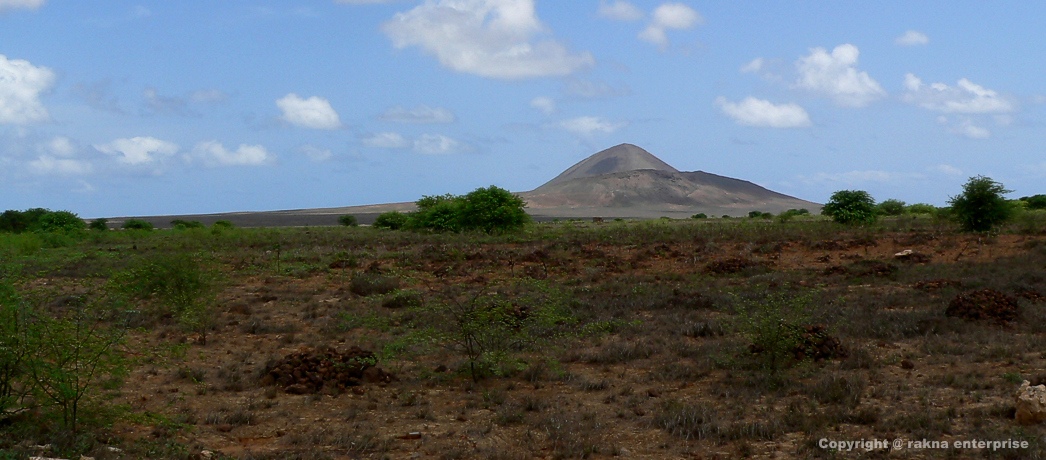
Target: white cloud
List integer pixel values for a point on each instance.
(968, 129)
(314, 112)
(753, 66)
(214, 154)
(49, 165)
(208, 96)
(836, 76)
(948, 170)
(437, 144)
(545, 104)
(138, 150)
(619, 10)
(589, 126)
(386, 141)
(58, 146)
(489, 38)
(669, 16)
(21, 85)
(966, 97)
(912, 38)
(314, 153)
(15, 4)
(763, 113)
(421, 115)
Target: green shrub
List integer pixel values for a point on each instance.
(222, 224)
(774, 326)
(699, 215)
(439, 213)
(981, 205)
(179, 224)
(137, 224)
(921, 208)
(179, 282)
(891, 207)
(850, 207)
(392, 220)
(13, 349)
(101, 224)
(368, 284)
(760, 215)
(493, 209)
(348, 221)
(61, 221)
(1035, 201)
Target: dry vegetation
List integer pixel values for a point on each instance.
(665, 339)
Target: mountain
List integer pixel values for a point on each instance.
(627, 181)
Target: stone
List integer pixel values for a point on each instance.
(1031, 404)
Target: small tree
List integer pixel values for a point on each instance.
(920, 208)
(1035, 201)
(850, 207)
(137, 224)
(61, 221)
(440, 213)
(392, 220)
(891, 207)
(981, 205)
(493, 209)
(348, 221)
(101, 224)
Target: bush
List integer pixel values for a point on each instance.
(440, 213)
(61, 221)
(850, 207)
(392, 220)
(981, 205)
(222, 225)
(137, 224)
(891, 207)
(774, 326)
(368, 284)
(760, 215)
(348, 221)
(699, 215)
(493, 209)
(100, 224)
(1035, 201)
(12, 349)
(179, 224)
(179, 282)
(921, 208)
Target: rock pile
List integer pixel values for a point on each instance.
(1031, 404)
(310, 370)
(816, 344)
(986, 304)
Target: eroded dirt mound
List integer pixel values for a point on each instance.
(310, 370)
(986, 304)
(816, 344)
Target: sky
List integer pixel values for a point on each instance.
(134, 108)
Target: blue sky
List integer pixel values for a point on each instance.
(138, 108)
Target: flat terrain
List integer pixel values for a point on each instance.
(616, 340)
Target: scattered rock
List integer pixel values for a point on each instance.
(309, 370)
(1031, 404)
(986, 304)
(907, 364)
(909, 256)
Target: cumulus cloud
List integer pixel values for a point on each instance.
(437, 144)
(420, 115)
(490, 38)
(948, 170)
(313, 113)
(753, 66)
(24, 4)
(619, 10)
(49, 165)
(21, 85)
(545, 104)
(763, 113)
(968, 129)
(669, 16)
(912, 38)
(965, 97)
(589, 126)
(316, 154)
(138, 150)
(387, 140)
(836, 76)
(214, 154)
